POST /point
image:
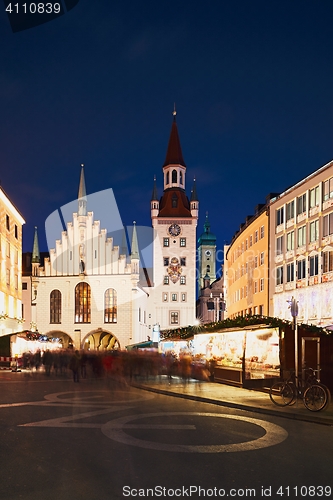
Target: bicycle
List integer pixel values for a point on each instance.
(315, 396)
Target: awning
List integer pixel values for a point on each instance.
(140, 345)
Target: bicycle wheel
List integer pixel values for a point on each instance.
(282, 394)
(315, 398)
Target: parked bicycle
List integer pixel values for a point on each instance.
(315, 396)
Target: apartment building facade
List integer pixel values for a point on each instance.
(246, 267)
(301, 249)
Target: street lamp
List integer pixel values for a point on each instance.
(293, 306)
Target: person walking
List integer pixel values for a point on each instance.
(74, 365)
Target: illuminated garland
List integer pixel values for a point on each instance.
(239, 322)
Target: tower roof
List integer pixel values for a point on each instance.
(174, 155)
(154, 194)
(194, 196)
(207, 238)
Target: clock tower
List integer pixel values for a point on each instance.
(174, 220)
(206, 256)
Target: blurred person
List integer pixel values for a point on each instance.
(74, 365)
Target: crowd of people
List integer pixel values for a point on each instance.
(134, 364)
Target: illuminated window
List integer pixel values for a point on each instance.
(183, 280)
(174, 297)
(182, 242)
(82, 303)
(55, 306)
(110, 306)
(165, 242)
(165, 297)
(174, 318)
(183, 297)
(166, 280)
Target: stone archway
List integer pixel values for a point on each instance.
(100, 340)
(64, 339)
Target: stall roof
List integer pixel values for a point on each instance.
(140, 345)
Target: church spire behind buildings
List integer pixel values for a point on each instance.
(82, 198)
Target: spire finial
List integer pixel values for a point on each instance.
(174, 111)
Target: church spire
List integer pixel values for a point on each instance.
(134, 245)
(35, 258)
(174, 155)
(82, 198)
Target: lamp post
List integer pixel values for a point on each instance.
(293, 306)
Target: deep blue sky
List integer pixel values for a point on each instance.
(252, 82)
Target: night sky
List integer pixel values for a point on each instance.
(253, 87)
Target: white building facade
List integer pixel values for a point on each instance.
(87, 292)
(301, 249)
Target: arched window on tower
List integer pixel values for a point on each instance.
(181, 178)
(174, 177)
(110, 306)
(82, 303)
(55, 306)
(208, 269)
(174, 201)
(167, 178)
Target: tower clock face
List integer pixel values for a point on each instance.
(174, 230)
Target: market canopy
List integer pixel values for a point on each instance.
(140, 345)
